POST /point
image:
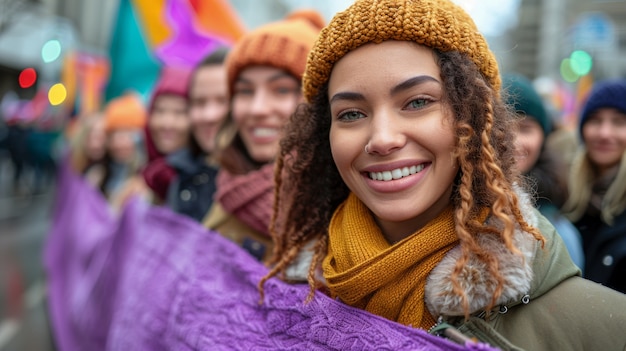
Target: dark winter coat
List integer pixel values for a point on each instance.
(605, 250)
(192, 189)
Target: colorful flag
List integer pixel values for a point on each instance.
(149, 34)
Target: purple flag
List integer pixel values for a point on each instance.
(160, 281)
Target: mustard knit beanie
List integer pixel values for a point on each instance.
(283, 44)
(438, 24)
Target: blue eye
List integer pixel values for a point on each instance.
(418, 103)
(350, 116)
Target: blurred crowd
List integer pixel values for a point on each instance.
(204, 147)
(29, 153)
(204, 144)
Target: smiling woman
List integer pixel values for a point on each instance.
(398, 192)
(597, 181)
(264, 70)
(404, 115)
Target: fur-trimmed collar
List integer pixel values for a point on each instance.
(439, 296)
(475, 278)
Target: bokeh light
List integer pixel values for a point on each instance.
(57, 94)
(27, 78)
(581, 62)
(51, 51)
(566, 71)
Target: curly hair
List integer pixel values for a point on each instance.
(305, 171)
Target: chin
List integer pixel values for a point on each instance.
(392, 216)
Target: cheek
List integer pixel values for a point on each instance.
(621, 137)
(239, 110)
(343, 150)
(154, 123)
(183, 123)
(587, 132)
(288, 107)
(195, 115)
(536, 143)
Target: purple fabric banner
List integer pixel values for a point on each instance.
(153, 280)
(76, 248)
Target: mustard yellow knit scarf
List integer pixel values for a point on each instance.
(367, 272)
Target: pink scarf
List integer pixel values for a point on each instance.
(249, 197)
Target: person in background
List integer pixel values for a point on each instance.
(18, 131)
(167, 129)
(542, 168)
(124, 119)
(398, 191)
(264, 71)
(87, 144)
(193, 184)
(597, 184)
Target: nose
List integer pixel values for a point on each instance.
(386, 134)
(260, 103)
(211, 112)
(167, 119)
(605, 129)
(214, 112)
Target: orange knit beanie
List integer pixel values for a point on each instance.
(438, 24)
(125, 112)
(283, 44)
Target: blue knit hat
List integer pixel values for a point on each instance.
(520, 94)
(607, 93)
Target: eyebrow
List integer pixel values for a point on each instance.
(349, 96)
(411, 82)
(407, 84)
(273, 78)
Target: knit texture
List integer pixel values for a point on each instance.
(125, 112)
(249, 197)
(283, 44)
(607, 93)
(523, 97)
(367, 272)
(152, 280)
(438, 24)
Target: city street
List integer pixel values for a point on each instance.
(24, 221)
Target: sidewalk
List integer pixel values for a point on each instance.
(24, 223)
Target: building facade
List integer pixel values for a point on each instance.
(549, 31)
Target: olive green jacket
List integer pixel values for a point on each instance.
(229, 226)
(545, 304)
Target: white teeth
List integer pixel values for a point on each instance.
(265, 132)
(396, 173)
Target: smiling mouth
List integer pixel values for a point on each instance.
(397, 173)
(264, 132)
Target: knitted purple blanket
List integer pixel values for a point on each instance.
(153, 280)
